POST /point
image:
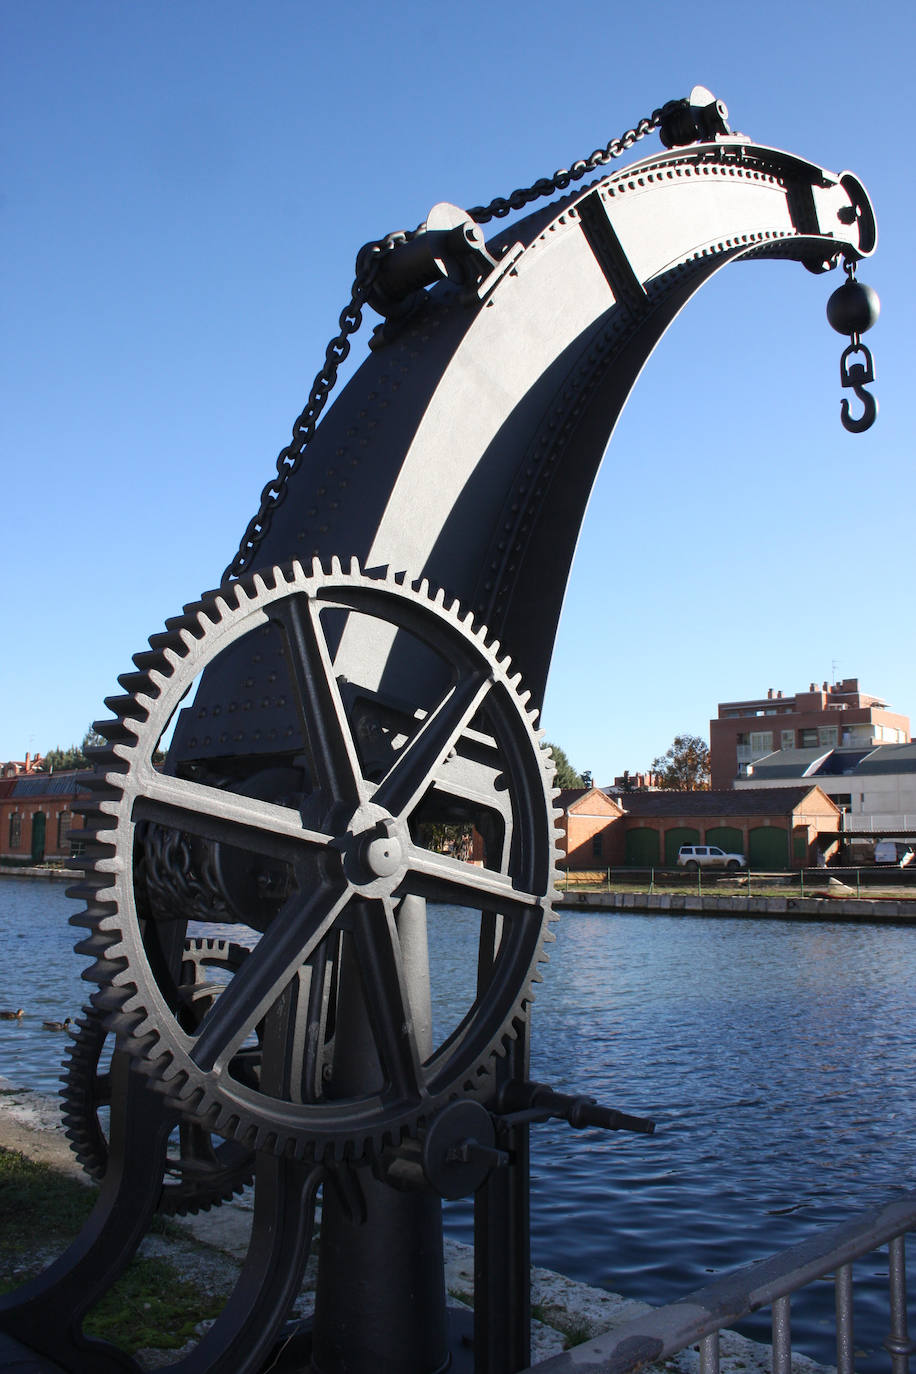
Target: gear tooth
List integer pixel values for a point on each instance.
(95, 945)
(422, 588)
(136, 684)
(104, 970)
(336, 570)
(243, 592)
(164, 640)
(177, 625)
(127, 706)
(84, 892)
(150, 661)
(110, 1000)
(113, 731)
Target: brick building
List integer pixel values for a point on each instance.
(827, 717)
(36, 815)
(776, 828)
(591, 836)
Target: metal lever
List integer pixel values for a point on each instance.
(472, 1152)
(521, 1101)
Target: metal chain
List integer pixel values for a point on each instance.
(546, 186)
(290, 458)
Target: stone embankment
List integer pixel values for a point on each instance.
(824, 907)
(69, 875)
(214, 1244)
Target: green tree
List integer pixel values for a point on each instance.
(55, 760)
(685, 766)
(566, 774)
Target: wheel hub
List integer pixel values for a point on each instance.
(375, 847)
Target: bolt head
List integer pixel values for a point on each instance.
(384, 855)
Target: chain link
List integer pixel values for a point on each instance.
(546, 186)
(290, 458)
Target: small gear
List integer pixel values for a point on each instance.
(320, 855)
(199, 1173)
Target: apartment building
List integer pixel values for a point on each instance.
(834, 715)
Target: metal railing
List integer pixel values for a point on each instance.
(877, 822)
(801, 882)
(703, 1314)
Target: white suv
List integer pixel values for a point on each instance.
(694, 856)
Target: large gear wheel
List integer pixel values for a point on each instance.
(321, 856)
(200, 1172)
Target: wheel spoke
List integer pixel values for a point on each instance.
(418, 762)
(378, 954)
(227, 817)
(292, 937)
(440, 878)
(321, 709)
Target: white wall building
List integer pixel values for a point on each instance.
(876, 787)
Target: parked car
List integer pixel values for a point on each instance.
(694, 856)
(894, 852)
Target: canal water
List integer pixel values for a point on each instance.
(776, 1058)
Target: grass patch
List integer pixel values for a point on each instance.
(151, 1305)
(42, 1210)
(38, 1205)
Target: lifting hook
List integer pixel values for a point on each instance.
(851, 310)
(857, 376)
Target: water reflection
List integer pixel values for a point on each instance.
(777, 1060)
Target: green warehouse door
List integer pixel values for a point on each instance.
(769, 849)
(642, 848)
(38, 837)
(727, 837)
(681, 834)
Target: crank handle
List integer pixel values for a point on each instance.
(472, 1152)
(537, 1101)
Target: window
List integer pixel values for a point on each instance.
(597, 846)
(826, 734)
(15, 830)
(761, 742)
(64, 824)
(808, 739)
(788, 739)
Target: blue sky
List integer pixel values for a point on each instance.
(185, 189)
